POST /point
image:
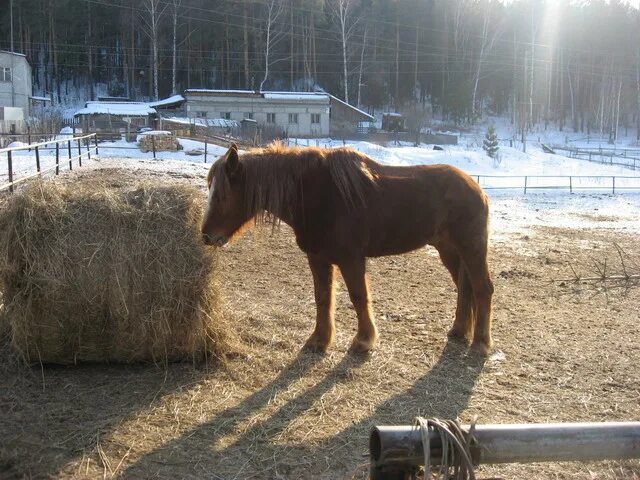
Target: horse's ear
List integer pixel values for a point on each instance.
(233, 161)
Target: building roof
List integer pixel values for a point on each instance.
(364, 114)
(204, 122)
(172, 101)
(121, 109)
(315, 97)
(275, 95)
(14, 53)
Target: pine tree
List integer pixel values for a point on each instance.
(490, 143)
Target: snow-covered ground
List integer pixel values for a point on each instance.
(512, 211)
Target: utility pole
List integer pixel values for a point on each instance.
(11, 22)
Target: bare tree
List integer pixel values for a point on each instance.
(273, 34)
(486, 45)
(154, 10)
(174, 62)
(342, 11)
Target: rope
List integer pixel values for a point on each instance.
(456, 463)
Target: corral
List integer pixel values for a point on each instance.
(567, 352)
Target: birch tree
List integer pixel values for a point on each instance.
(272, 34)
(174, 60)
(343, 13)
(154, 10)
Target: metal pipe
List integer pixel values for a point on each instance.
(391, 447)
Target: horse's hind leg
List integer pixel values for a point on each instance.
(323, 283)
(475, 259)
(465, 315)
(355, 276)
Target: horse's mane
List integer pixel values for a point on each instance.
(274, 174)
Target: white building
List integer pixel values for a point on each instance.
(15, 91)
(296, 114)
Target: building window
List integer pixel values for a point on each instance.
(226, 115)
(5, 74)
(293, 118)
(248, 115)
(201, 114)
(271, 118)
(315, 118)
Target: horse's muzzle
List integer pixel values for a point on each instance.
(214, 240)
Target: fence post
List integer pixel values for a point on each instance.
(79, 154)
(614, 185)
(69, 150)
(570, 184)
(478, 179)
(87, 142)
(95, 136)
(29, 135)
(10, 169)
(38, 159)
(525, 185)
(153, 145)
(57, 159)
(205, 150)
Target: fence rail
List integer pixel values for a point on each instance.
(624, 157)
(571, 183)
(84, 148)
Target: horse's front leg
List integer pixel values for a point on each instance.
(323, 283)
(355, 276)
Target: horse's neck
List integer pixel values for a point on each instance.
(273, 185)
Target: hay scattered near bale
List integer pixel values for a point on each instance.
(93, 273)
(164, 142)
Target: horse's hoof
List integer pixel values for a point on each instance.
(359, 346)
(458, 336)
(481, 349)
(316, 345)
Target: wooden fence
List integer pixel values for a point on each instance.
(63, 156)
(571, 183)
(624, 157)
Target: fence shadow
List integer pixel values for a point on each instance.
(232, 445)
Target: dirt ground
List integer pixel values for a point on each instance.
(564, 352)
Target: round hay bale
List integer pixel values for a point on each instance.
(93, 273)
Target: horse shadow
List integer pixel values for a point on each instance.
(234, 450)
(54, 417)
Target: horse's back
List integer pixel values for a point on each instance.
(423, 204)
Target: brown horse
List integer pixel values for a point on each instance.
(344, 207)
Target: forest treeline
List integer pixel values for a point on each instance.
(572, 64)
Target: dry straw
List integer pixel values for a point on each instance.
(108, 273)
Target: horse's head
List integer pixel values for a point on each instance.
(226, 211)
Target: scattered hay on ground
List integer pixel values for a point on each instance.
(95, 272)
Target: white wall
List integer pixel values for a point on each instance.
(239, 107)
(18, 92)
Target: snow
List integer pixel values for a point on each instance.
(295, 96)
(208, 90)
(155, 132)
(205, 122)
(40, 99)
(17, 145)
(512, 212)
(167, 101)
(133, 109)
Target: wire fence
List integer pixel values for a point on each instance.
(623, 157)
(69, 150)
(63, 156)
(570, 183)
